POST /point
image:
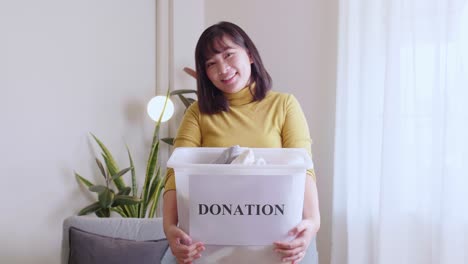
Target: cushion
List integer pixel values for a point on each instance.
(89, 248)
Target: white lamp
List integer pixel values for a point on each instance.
(156, 106)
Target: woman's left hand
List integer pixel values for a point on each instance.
(294, 251)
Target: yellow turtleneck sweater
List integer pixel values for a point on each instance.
(277, 121)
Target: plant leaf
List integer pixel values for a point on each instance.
(154, 184)
(90, 209)
(83, 181)
(106, 198)
(191, 100)
(110, 162)
(125, 200)
(103, 212)
(120, 173)
(150, 167)
(126, 210)
(125, 191)
(101, 168)
(169, 141)
(119, 211)
(160, 187)
(118, 182)
(134, 181)
(98, 188)
(152, 160)
(155, 199)
(133, 208)
(184, 100)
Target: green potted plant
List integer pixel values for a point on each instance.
(125, 200)
(128, 201)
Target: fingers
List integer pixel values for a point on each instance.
(284, 246)
(291, 251)
(195, 249)
(183, 238)
(294, 259)
(301, 227)
(187, 254)
(290, 248)
(182, 247)
(294, 251)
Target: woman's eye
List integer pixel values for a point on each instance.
(208, 64)
(229, 54)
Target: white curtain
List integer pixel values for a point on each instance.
(401, 150)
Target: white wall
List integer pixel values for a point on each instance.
(187, 19)
(297, 41)
(67, 68)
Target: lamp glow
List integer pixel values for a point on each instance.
(155, 108)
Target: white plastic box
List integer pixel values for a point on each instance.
(227, 204)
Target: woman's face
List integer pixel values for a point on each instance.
(230, 69)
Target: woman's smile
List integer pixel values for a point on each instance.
(230, 69)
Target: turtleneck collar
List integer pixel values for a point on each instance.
(242, 97)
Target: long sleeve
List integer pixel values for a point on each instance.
(188, 135)
(295, 132)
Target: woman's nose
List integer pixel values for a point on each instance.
(223, 68)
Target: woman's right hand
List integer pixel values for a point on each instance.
(182, 247)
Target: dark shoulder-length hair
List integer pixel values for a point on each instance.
(210, 99)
